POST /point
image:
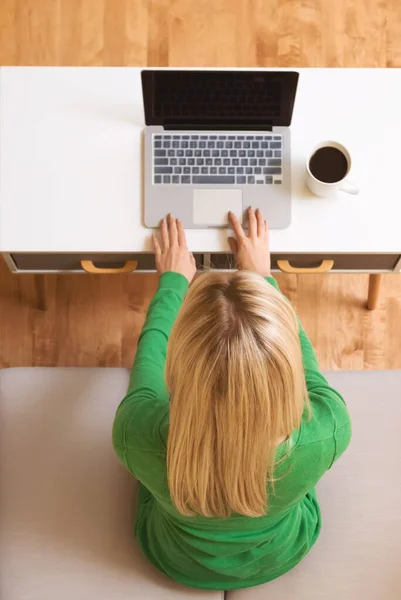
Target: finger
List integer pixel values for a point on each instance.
(236, 225)
(164, 232)
(156, 246)
(266, 230)
(182, 240)
(252, 223)
(261, 224)
(172, 231)
(232, 242)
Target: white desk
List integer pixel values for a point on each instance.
(70, 168)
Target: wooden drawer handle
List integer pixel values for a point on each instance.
(89, 267)
(324, 267)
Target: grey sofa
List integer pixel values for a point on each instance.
(66, 503)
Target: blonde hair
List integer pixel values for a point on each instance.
(234, 370)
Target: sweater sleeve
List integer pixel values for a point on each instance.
(330, 418)
(137, 420)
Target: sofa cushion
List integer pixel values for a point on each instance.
(66, 504)
(358, 553)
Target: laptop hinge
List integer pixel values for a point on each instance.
(216, 127)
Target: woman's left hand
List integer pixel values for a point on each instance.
(172, 254)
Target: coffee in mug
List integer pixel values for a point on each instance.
(326, 169)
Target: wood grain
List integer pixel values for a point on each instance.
(89, 320)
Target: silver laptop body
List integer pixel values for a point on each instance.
(212, 145)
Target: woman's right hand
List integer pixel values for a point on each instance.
(251, 251)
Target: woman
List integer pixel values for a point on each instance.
(228, 423)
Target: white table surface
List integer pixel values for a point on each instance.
(71, 172)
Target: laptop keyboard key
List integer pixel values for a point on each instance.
(275, 145)
(163, 170)
(251, 179)
(226, 162)
(175, 179)
(209, 161)
(222, 170)
(241, 179)
(195, 170)
(262, 162)
(160, 152)
(277, 153)
(180, 152)
(158, 178)
(204, 170)
(185, 179)
(166, 144)
(173, 161)
(253, 162)
(231, 171)
(212, 179)
(200, 161)
(268, 153)
(241, 153)
(268, 180)
(213, 170)
(178, 170)
(272, 171)
(249, 170)
(161, 161)
(187, 171)
(182, 162)
(166, 179)
(217, 162)
(157, 144)
(274, 162)
(198, 153)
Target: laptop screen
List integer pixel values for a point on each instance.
(229, 99)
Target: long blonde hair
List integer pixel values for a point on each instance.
(234, 370)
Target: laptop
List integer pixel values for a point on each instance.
(217, 141)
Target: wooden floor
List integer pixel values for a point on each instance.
(95, 320)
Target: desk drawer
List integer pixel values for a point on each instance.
(342, 262)
(67, 262)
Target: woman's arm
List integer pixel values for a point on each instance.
(136, 424)
(330, 418)
(147, 374)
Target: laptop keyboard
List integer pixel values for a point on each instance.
(217, 159)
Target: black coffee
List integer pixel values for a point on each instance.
(328, 165)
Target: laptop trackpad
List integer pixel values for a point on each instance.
(211, 207)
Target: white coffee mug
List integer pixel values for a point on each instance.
(322, 188)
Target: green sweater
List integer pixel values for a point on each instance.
(235, 552)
